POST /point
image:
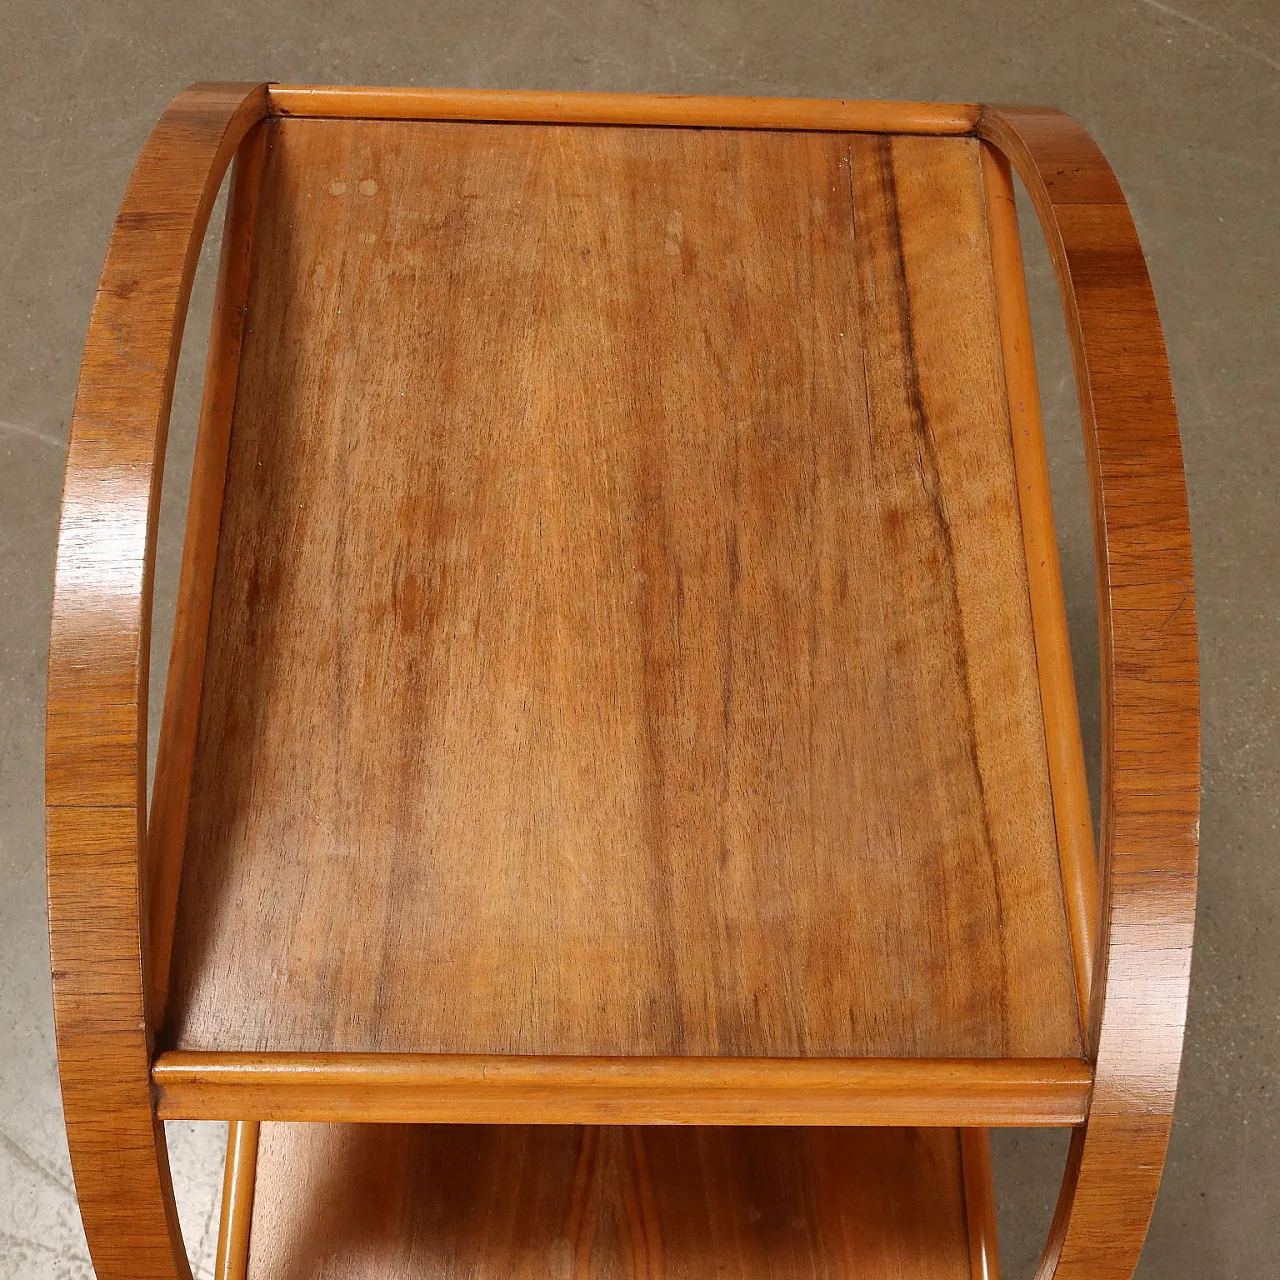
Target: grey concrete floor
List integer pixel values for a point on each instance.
(1183, 98)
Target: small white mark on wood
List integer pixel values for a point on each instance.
(337, 188)
(368, 187)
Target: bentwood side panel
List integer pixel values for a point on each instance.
(97, 709)
(1150, 691)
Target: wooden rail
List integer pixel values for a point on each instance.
(837, 114)
(483, 1089)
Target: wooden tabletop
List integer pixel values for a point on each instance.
(620, 640)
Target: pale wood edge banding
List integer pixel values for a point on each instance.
(477, 1089)
(95, 779)
(175, 755)
(838, 115)
(1150, 692)
(1067, 780)
(232, 1259)
(979, 1204)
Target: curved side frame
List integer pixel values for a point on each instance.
(1150, 692)
(96, 730)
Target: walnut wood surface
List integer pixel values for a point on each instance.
(670, 110)
(97, 705)
(620, 642)
(488, 1089)
(1150, 692)
(344, 1202)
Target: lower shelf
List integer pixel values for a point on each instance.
(350, 1201)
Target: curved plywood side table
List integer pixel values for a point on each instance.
(620, 681)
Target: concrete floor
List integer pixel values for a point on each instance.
(1182, 97)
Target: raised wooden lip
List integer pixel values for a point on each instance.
(1068, 785)
(485, 1089)
(670, 110)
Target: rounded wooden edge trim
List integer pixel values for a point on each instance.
(175, 752)
(979, 1204)
(1150, 692)
(1067, 780)
(232, 1259)
(482, 1089)
(97, 684)
(342, 101)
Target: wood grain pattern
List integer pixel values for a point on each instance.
(1073, 820)
(401, 1088)
(97, 699)
(669, 110)
(1150, 691)
(620, 642)
(345, 1202)
(231, 1261)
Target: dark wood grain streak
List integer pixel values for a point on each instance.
(620, 643)
(1150, 691)
(348, 1202)
(926, 447)
(97, 699)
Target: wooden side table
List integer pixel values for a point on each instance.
(620, 808)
